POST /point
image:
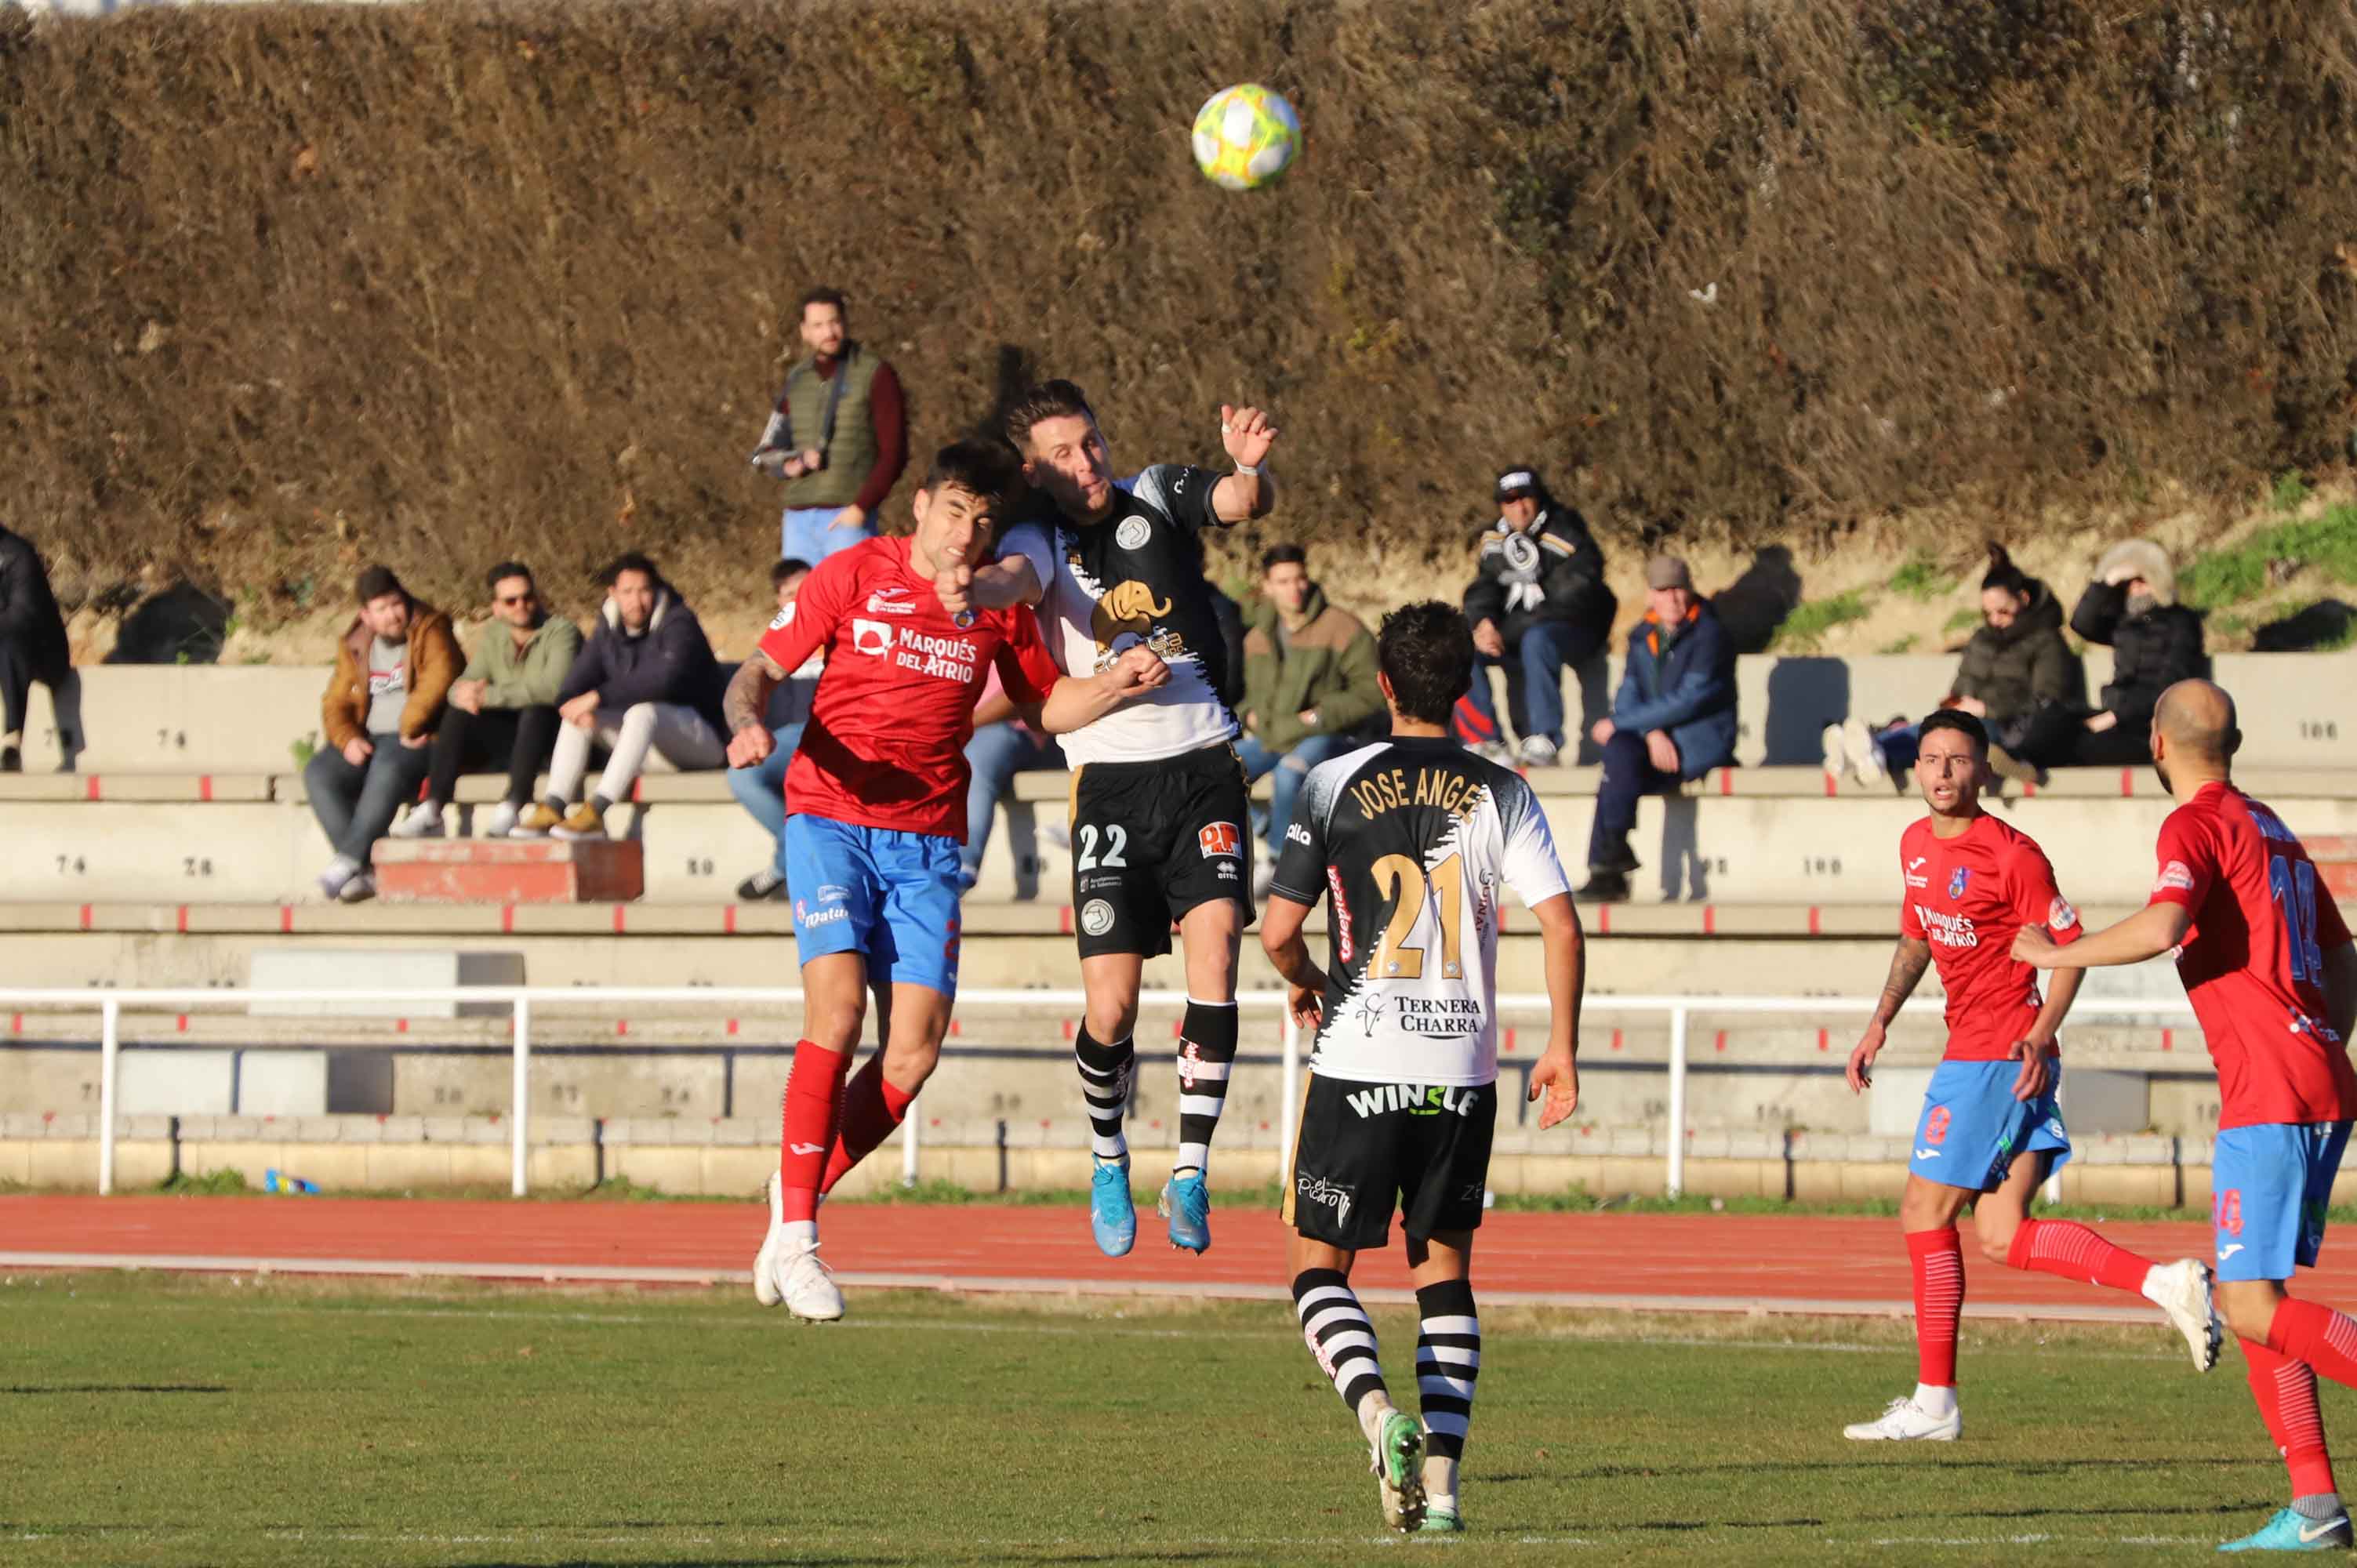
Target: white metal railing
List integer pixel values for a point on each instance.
(518, 1001)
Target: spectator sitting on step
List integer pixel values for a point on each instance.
(33, 647)
(645, 681)
(393, 671)
(1003, 745)
(761, 789)
(2154, 641)
(1673, 720)
(1539, 606)
(2018, 677)
(838, 437)
(503, 711)
(1310, 689)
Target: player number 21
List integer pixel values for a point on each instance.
(2293, 882)
(1406, 883)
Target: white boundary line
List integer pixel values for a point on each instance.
(992, 1284)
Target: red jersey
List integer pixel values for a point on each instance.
(1967, 897)
(885, 746)
(2253, 962)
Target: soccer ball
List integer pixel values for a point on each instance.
(1245, 136)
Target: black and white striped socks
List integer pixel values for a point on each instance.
(1448, 1362)
(1105, 1073)
(1340, 1337)
(1207, 1052)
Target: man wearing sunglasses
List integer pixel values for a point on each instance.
(503, 711)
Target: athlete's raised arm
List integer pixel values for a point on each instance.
(1080, 700)
(746, 699)
(1248, 492)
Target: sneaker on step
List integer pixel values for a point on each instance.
(358, 889)
(1398, 1464)
(1538, 752)
(12, 761)
(1907, 1422)
(1836, 759)
(1186, 1204)
(2291, 1530)
(763, 887)
(1605, 888)
(419, 822)
(1494, 751)
(1112, 1212)
(535, 821)
(773, 1241)
(2182, 1291)
(502, 820)
(332, 880)
(1858, 748)
(1264, 878)
(583, 821)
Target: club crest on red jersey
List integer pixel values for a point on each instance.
(1958, 880)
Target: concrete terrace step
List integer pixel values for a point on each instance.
(249, 718)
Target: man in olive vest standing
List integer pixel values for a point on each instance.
(838, 438)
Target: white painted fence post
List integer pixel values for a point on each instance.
(110, 1067)
(1676, 1182)
(520, 1113)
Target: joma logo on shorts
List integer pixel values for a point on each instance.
(1416, 1099)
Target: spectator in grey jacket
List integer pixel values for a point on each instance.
(645, 681)
(33, 647)
(503, 711)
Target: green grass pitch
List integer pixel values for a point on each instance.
(164, 1420)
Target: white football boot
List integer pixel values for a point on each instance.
(2181, 1290)
(765, 1263)
(808, 1284)
(1907, 1422)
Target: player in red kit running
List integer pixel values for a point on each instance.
(2267, 964)
(1990, 1129)
(875, 813)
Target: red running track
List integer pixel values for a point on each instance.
(1806, 1264)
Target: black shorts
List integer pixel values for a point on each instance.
(1362, 1145)
(1153, 840)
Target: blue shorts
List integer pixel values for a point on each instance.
(888, 895)
(2269, 1186)
(1972, 1126)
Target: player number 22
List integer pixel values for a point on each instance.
(2293, 882)
(1116, 840)
(1406, 883)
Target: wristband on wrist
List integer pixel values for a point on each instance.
(1247, 471)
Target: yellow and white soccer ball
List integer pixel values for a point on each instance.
(1245, 136)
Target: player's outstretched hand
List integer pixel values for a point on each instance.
(750, 747)
(1861, 1060)
(2031, 947)
(1557, 1074)
(950, 586)
(2037, 1074)
(1246, 434)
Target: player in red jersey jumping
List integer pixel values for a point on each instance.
(2267, 964)
(1990, 1129)
(875, 813)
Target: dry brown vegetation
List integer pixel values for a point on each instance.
(290, 287)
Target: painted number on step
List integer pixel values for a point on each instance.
(565, 1093)
(1821, 866)
(196, 865)
(678, 1096)
(445, 1095)
(2318, 729)
(71, 866)
(172, 740)
(696, 868)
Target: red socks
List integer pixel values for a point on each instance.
(2075, 1252)
(814, 1104)
(2317, 1335)
(1938, 1259)
(2286, 1392)
(873, 1107)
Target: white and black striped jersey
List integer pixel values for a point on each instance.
(1413, 839)
(1137, 577)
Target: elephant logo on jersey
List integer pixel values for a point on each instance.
(1127, 610)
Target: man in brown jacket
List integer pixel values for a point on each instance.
(393, 671)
